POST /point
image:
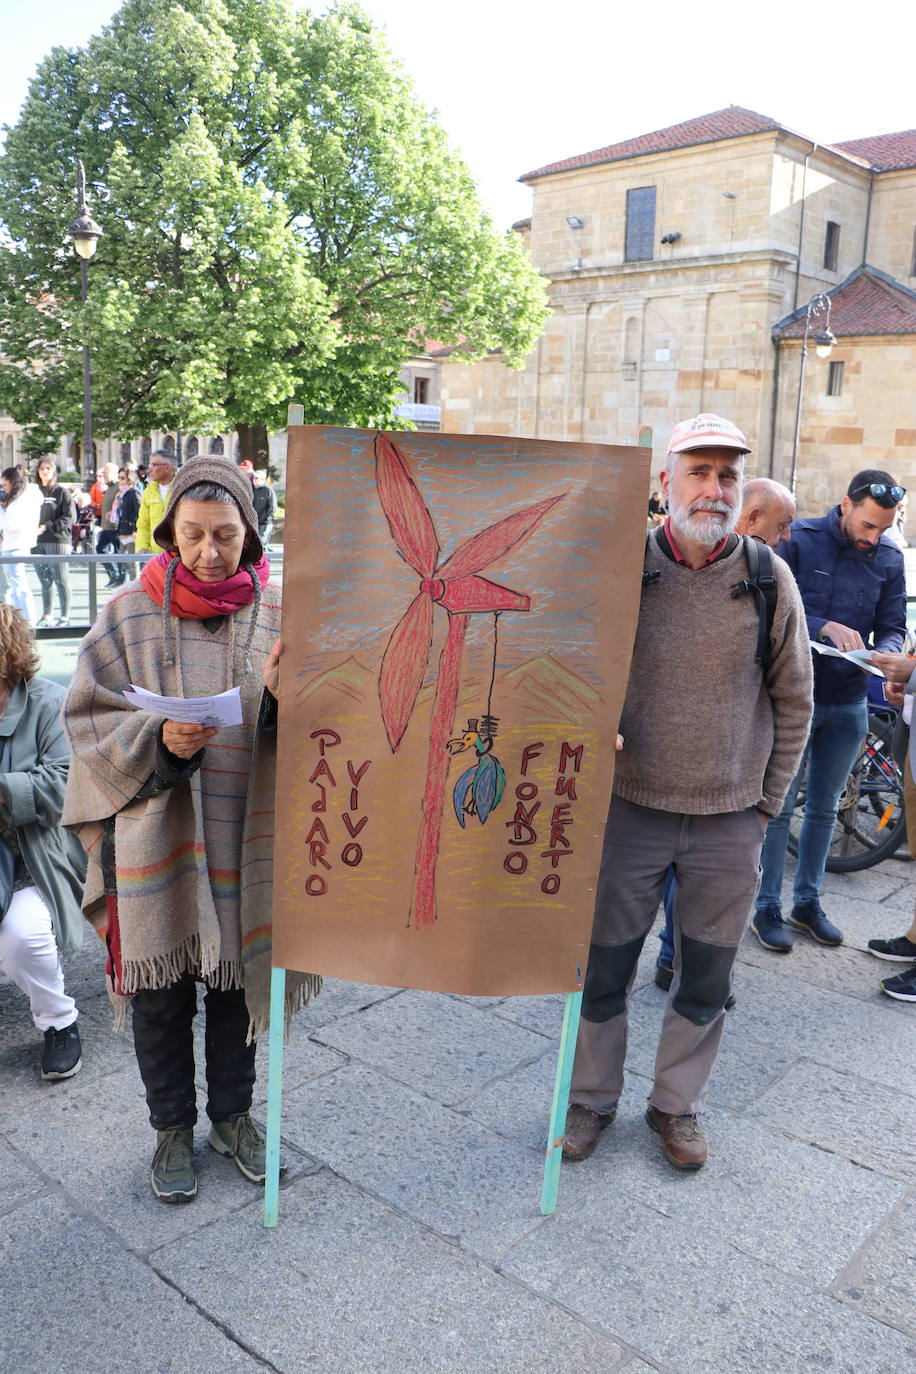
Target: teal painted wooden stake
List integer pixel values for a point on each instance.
(274, 1093)
(560, 1100)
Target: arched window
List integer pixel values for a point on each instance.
(125, 453)
(216, 445)
(146, 448)
(191, 446)
(168, 443)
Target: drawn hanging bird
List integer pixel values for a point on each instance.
(479, 789)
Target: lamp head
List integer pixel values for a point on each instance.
(85, 234)
(823, 343)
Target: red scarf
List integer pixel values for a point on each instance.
(192, 599)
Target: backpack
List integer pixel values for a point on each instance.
(761, 584)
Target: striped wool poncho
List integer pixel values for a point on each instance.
(192, 865)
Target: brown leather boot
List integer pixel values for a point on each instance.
(682, 1140)
(583, 1127)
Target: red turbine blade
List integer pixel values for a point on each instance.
(408, 519)
(496, 540)
(403, 667)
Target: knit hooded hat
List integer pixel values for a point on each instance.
(222, 473)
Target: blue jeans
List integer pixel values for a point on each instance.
(666, 934)
(837, 732)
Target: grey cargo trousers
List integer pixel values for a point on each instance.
(717, 862)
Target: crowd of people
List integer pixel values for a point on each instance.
(160, 830)
(117, 514)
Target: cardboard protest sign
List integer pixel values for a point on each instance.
(458, 615)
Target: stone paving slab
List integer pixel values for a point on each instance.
(802, 1210)
(870, 885)
(337, 999)
(876, 1041)
(75, 1300)
(463, 1054)
(346, 1285)
(476, 1188)
(19, 1180)
(20, 1057)
(99, 1148)
(860, 1120)
(844, 970)
(692, 1302)
(882, 1280)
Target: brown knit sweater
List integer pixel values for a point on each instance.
(705, 731)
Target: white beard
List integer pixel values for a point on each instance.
(706, 530)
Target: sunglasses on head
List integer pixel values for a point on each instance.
(880, 490)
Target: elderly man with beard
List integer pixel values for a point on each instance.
(711, 742)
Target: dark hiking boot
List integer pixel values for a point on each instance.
(682, 1140)
(809, 917)
(172, 1176)
(770, 929)
(62, 1055)
(240, 1138)
(583, 1130)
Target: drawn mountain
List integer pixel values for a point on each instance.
(469, 694)
(550, 690)
(351, 678)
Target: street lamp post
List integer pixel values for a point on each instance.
(85, 234)
(824, 340)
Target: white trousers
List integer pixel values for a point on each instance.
(19, 589)
(29, 955)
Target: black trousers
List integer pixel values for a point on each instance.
(109, 540)
(163, 1039)
(52, 575)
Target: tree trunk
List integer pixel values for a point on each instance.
(253, 444)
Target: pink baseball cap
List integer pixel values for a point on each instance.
(706, 431)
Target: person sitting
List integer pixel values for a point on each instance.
(42, 915)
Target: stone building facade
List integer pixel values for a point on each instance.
(677, 263)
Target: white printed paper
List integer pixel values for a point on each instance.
(860, 657)
(224, 709)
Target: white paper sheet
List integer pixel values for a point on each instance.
(860, 657)
(224, 709)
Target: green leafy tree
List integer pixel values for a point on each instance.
(282, 221)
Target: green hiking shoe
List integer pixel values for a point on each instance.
(240, 1138)
(172, 1176)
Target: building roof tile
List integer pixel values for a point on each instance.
(867, 302)
(733, 122)
(887, 152)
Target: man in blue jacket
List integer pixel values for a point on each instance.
(853, 588)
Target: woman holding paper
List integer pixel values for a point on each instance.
(177, 818)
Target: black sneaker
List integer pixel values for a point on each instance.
(770, 929)
(903, 987)
(900, 949)
(809, 917)
(62, 1055)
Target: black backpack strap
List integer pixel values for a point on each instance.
(648, 578)
(761, 584)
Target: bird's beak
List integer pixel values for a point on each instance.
(456, 746)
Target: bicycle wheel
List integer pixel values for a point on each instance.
(871, 822)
